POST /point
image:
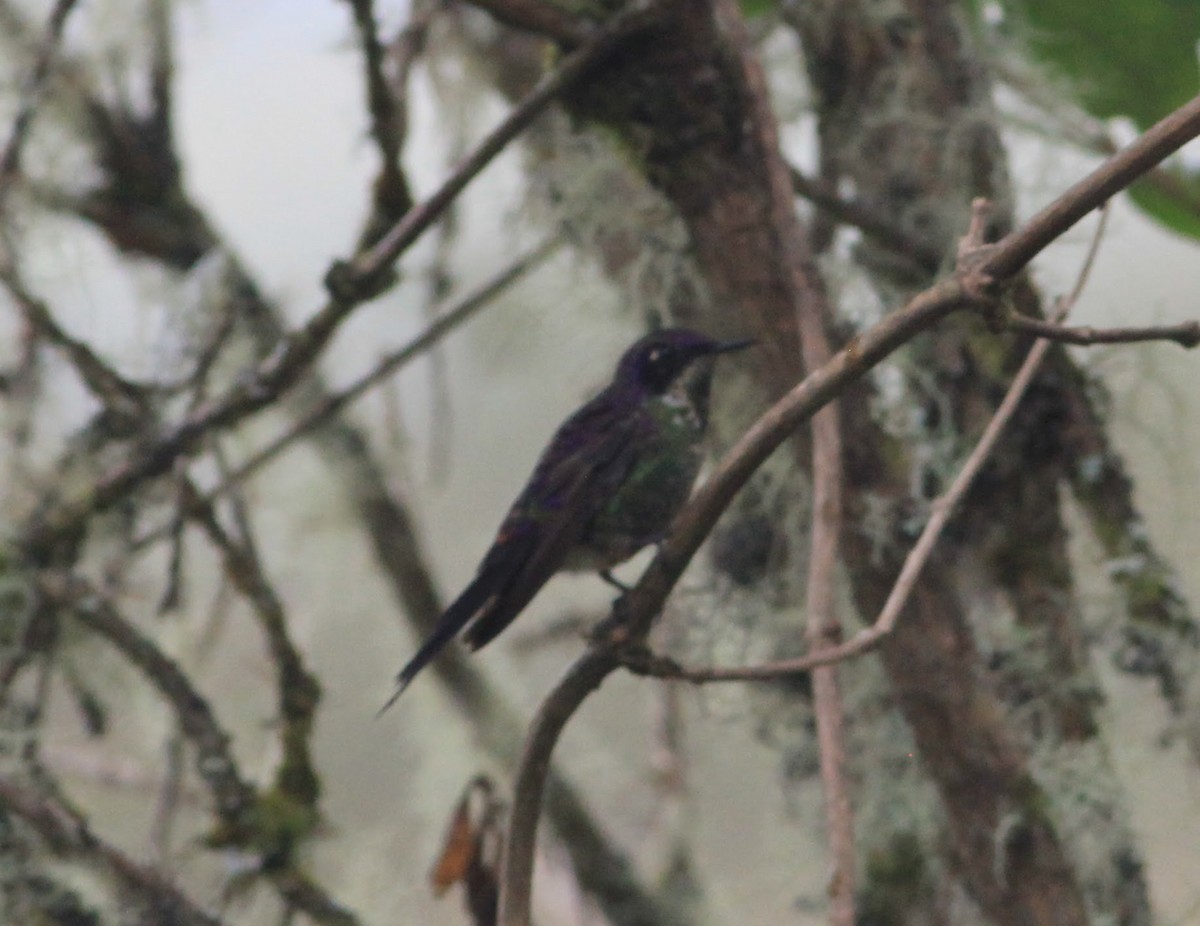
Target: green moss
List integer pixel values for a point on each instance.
(895, 882)
(273, 828)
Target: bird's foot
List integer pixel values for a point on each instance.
(604, 632)
(639, 659)
(612, 630)
(607, 576)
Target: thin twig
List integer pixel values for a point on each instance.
(875, 226)
(1089, 264)
(298, 689)
(31, 95)
(813, 311)
(391, 196)
(380, 103)
(979, 274)
(1186, 334)
(68, 836)
(335, 402)
(351, 279)
(232, 794)
(108, 386)
(167, 804)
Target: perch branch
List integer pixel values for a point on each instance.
(636, 611)
(980, 271)
(1115, 174)
(940, 512)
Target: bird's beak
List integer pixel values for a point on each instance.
(727, 347)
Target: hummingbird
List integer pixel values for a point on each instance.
(608, 484)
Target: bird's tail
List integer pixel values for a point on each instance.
(474, 598)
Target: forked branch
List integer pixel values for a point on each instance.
(981, 270)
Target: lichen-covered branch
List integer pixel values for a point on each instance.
(140, 887)
(1047, 876)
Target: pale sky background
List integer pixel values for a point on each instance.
(270, 117)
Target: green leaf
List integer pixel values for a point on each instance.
(1172, 198)
(1132, 58)
(753, 9)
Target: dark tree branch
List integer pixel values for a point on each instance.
(391, 196)
(349, 281)
(516, 870)
(335, 402)
(112, 390)
(232, 794)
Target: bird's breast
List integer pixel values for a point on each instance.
(667, 458)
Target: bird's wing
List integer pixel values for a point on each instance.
(586, 461)
(583, 467)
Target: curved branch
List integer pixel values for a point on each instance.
(582, 678)
(980, 271)
(635, 612)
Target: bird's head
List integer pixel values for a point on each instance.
(659, 361)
